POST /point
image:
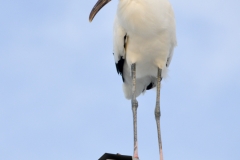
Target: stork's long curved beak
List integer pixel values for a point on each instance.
(96, 8)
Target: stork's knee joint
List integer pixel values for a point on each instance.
(157, 111)
(134, 104)
(157, 114)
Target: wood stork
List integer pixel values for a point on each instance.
(143, 43)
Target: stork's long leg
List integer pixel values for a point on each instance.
(158, 112)
(134, 109)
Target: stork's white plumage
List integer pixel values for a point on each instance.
(143, 43)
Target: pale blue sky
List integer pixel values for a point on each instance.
(61, 97)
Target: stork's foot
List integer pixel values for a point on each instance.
(161, 154)
(135, 153)
(135, 158)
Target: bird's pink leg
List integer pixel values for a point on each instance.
(134, 110)
(158, 113)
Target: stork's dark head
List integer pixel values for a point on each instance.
(97, 7)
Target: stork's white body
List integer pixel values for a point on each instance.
(144, 39)
(151, 38)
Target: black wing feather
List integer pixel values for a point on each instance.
(119, 67)
(150, 86)
(120, 63)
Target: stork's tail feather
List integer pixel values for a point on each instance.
(127, 89)
(141, 86)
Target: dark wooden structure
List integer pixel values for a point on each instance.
(107, 156)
